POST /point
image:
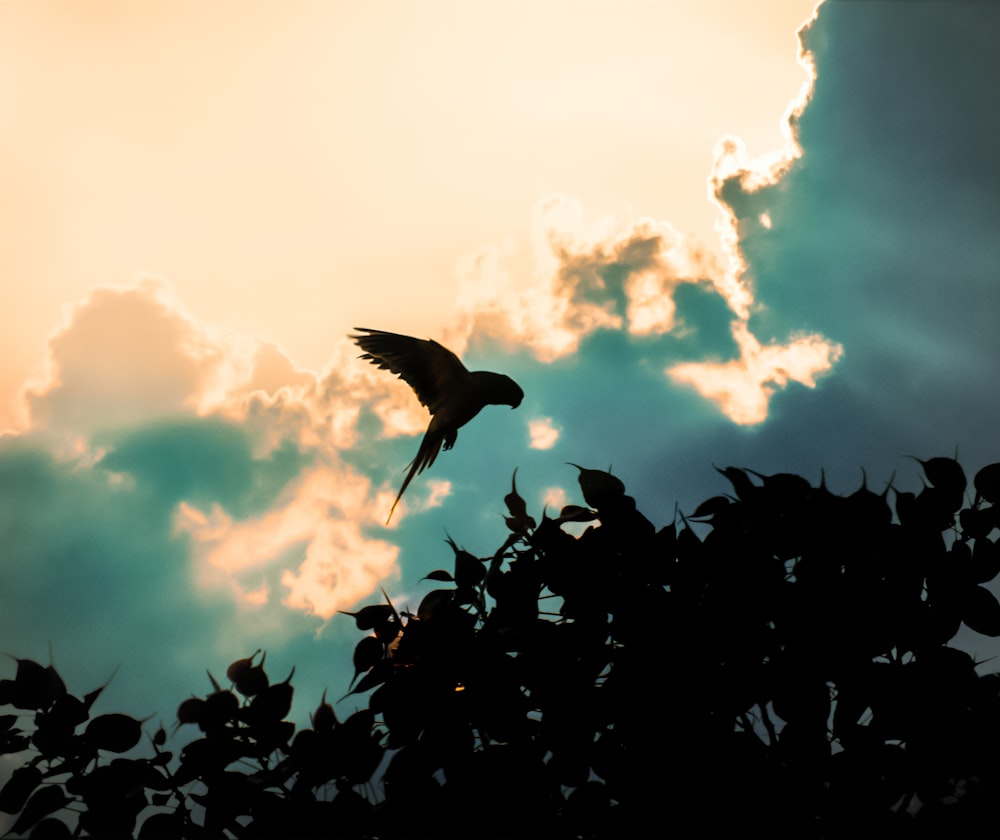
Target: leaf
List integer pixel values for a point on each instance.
(34, 686)
(985, 563)
(978, 523)
(981, 611)
(14, 741)
(711, 507)
(19, 787)
(162, 826)
(51, 829)
(367, 618)
(518, 522)
(113, 732)
(160, 738)
(742, 485)
(576, 513)
(190, 710)
(253, 682)
(469, 569)
(324, 719)
(439, 575)
(376, 676)
(987, 483)
(239, 669)
(220, 709)
(91, 696)
(275, 701)
(367, 653)
(945, 474)
(515, 504)
(599, 488)
(44, 801)
(433, 601)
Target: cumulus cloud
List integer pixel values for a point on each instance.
(629, 279)
(590, 276)
(284, 520)
(198, 418)
(599, 275)
(321, 515)
(543, 433)
(122, 357)
(743, 387)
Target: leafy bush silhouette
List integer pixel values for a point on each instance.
(787, 674)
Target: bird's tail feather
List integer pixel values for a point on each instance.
(429, 448)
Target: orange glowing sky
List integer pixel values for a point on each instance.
(294, 169)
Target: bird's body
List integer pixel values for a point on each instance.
(452, 393)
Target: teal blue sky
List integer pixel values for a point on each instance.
(137, 542)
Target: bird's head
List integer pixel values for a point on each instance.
(509, 392)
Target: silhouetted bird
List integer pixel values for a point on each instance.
(452, 393)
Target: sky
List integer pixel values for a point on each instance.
(692, 236)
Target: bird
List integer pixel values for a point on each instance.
(451, 392)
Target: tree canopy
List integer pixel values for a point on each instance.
(780, 662)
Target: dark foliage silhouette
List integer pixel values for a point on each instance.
(452, 393)
(781, 669)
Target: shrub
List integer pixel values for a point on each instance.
(776, 663)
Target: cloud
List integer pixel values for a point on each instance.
(543, 433)
(122, 357)
(635, 279)
(324, 510)
(743, 387)
(599, 275)
(194, 489)
(236, 447)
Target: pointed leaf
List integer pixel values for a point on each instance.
(253, 682)
(190, 710)
(469, 570)
(376, 676)
(439, 575)
(239, 669)
(946, 474)
(44, 801)
(324, 719)
(576, 513)
(711, 507)
(515, 504)
(985, 560)
(160, 738)
(742, 485)
(367, 618)
(19, 787)
(51, 829)
(981, 611)
(367, 653)
(35, 686)
(274, 702)
(90, 697)
(987, 483)
(114, 732)
(433, 601)
(599, 488)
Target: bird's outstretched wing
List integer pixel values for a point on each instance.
(442, 383)
(431, 370)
